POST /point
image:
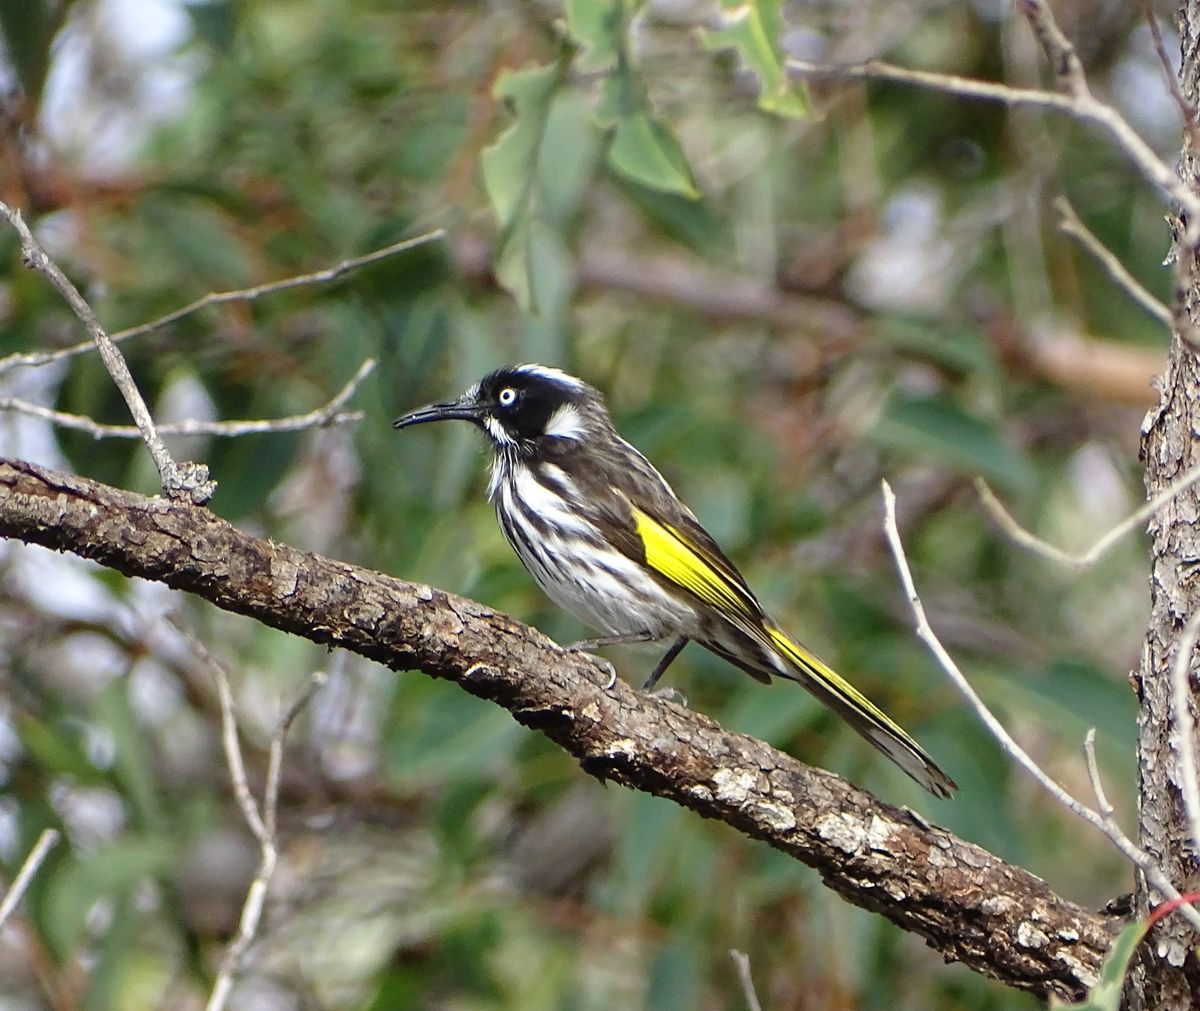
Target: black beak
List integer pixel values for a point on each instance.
(454, 410)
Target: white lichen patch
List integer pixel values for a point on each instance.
(879, 834)
(843, 831)
(621, 748)
(285, 574)
(363, 615)
(734, 786)
(997, 905)
(775, 816)
(1029, 936)
(1173, 951)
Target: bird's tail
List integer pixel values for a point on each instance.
(861, 713)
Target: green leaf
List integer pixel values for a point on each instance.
(753, 28)
(133, 765)
(110, 871)
(643, 149)
(509, 164)
(937, 428)
(28, 28)
(963, 350)
(1106, 995)
(597, 27)
(57, 750)
(510, 168)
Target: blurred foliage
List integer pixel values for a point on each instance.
(781, 309)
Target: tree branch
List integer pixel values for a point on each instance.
(187, 480)
(968, 904)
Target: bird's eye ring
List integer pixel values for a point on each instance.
(508, 397)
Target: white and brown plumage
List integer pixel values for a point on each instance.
(609, 541)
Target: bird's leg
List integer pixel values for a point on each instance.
(587, 645)
(665, 662)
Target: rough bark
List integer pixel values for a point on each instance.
(1168, 975)
(968, 904)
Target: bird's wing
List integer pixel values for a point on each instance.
(648, 523)
(691, 560)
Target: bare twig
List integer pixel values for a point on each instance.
(925, 633)
(32, 358)
(1093, 768)
(1019, 535)
(742, 961)
(322, 417)
(1185, 726)
(275, 759)
(1086, 108)
(37, 856)
(1070, 224)
(189, 481)
(1060, 53)
(262, 820)
(1186, 109)
(229, 732)
(1068, 71)
(963, 87)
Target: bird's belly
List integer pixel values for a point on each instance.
(602, 588)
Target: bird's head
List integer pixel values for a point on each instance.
(522, 407)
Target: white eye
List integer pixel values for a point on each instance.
(508, 397)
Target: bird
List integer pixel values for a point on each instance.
(609, 541)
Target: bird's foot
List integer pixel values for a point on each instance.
(608, 668)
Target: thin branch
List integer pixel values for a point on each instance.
(952, 84)
(1010, 747)
(1186, 110)
(742, 961)
(1185, 726)
(275, 759)
(256, 894)
(1068, 71)
(1086, 108)
(190, 481)
(1093, 768)
(37, 856)
(33, 358)
(1061, 55)
(229, 732)
(1019, 535)
(261, 819)
(323, 417)
(1070, 224)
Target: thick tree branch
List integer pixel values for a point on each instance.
(968, 904)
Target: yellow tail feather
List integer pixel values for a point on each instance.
(862, 714)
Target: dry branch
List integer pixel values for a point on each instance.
(969, 905)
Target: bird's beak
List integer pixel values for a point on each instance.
(453, 410)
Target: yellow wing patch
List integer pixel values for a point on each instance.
(669, 553)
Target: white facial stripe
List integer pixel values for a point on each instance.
(554, 375)
(566, 423)
(497, 432)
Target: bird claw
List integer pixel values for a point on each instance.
(612, 672)
(608, 668)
